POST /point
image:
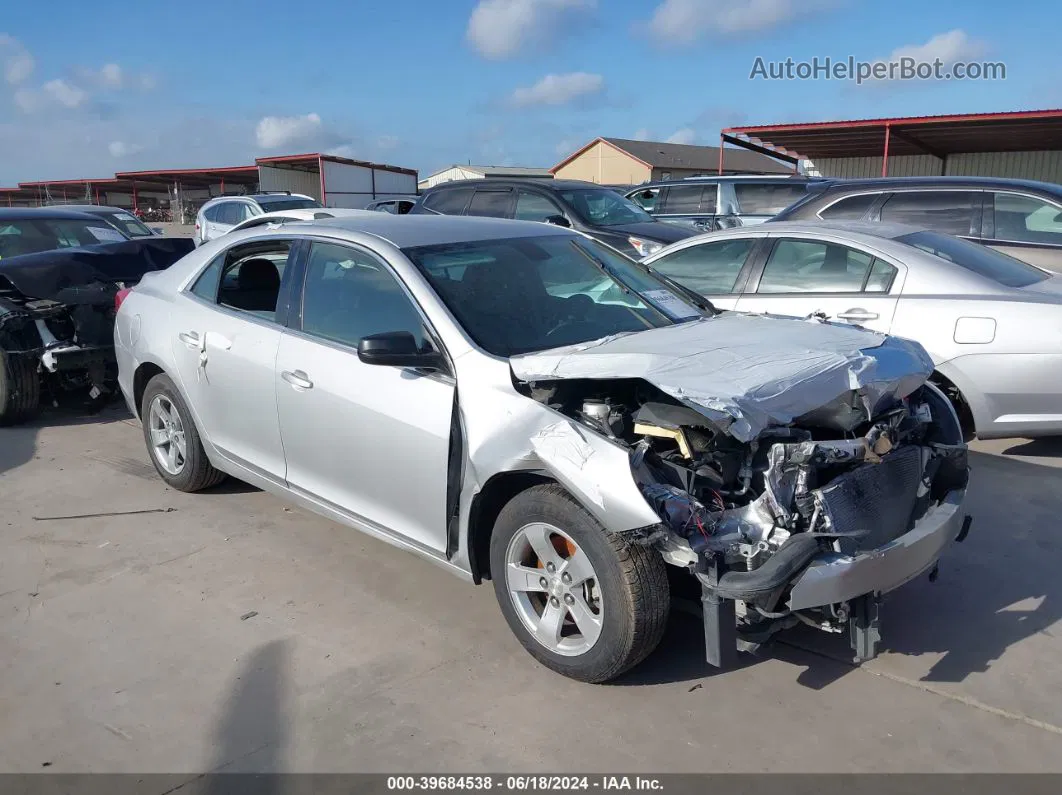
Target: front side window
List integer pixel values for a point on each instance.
(950, 211)
(602, 207)
(251, 276)
(349, 294)
(449, 202)
(812, 266)
(766, 198)
(491, 203)
(1025, 219)
(521, 295)
(974, 257)
(708, 269)
(851, 208)
(534, 207)
(646, 199)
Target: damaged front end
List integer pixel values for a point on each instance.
(792, 501)
(57, 309)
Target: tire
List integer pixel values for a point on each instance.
(629, 587)
(20, 388)
(188, 471)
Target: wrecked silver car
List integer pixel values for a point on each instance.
(519, 403)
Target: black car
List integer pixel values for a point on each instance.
(122, 220)
(1022, 218)
(62, 274)
(597, 210)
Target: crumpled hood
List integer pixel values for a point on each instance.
(748, 372)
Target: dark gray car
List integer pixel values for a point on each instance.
(1019, 217)
(597, 210)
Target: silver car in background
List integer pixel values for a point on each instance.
(518, 402)
(990, 322)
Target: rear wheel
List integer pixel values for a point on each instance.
(172, 439)
(580, 600)
(20, 388)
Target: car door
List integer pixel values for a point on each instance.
(715, 269)
(1026, 227)
(367, 440)
(227, 333)
(692, 206)
(805, 275)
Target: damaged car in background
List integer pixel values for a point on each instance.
(520, 403)
(61, 274)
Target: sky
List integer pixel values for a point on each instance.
(87, 89)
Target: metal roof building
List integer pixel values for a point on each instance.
(1019, 144)
(456, 172)
(610, 161)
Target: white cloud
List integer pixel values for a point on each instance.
(643, 134)
(684, 136)
(120, 149)
(16, 59)
(273, 132)
(385, 143)
(558, 90)
(502, 28)
(950, 47)
(111, 75)
(685, 21)
(64, 93)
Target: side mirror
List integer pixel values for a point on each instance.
(398, 349)
(558, 220)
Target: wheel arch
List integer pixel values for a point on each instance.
(483, 512)
(959, 399)
(141, 377)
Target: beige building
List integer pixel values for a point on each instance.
(619, 161)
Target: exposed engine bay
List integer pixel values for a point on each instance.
(747, 518)
(57, 310)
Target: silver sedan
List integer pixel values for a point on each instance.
(517, 402)
(991, 323)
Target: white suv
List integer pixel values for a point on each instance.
(220, 215)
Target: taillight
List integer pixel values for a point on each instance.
(119, 297)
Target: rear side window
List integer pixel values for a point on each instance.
(206, 286)
(491, 203)
(979, 259)
(812, 266)
(449, 202)
(766, 198)
(690, 199)
(1026, 219)
(850, 209)
(949, 211)
(229, 213)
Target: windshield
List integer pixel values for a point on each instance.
(603, 207)
(983, 261)
(522, 295)
(29, 236)
(272, 205)
(130, 224)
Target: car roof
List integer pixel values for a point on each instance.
(410, 231)
(783, 178)
(258, 197)
(29, 213)
(541, 182)
(929, 182)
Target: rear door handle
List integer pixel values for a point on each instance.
(857, 314)
(191, 339)
(297, 378)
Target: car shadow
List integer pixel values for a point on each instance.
(1047, 447)
(18, 443)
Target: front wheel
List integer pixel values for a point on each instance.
(20, 388)
(581, 600)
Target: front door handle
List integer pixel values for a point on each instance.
(191, 339)
(297, 378)
(857, 314)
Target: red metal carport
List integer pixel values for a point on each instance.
(939, 136)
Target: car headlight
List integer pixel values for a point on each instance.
(644, 247)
